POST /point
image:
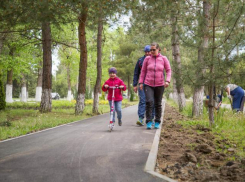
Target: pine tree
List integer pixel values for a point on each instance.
(203, 28)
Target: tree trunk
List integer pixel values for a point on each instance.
(212, 81)
(39, 82)
(177, 62)
(69, 96)
(97, 86)
(197, 109)
(2, 94)
(175, 93)
(23, 97)
(9, 87)
(88, 89)
(129, 89)
(46, 100)
(83, 61)
(211, 104)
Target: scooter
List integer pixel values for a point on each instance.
(111, 124)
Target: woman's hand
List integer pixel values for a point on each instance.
(121, 86)
(106, 86)
(166, 84)
(141, 86)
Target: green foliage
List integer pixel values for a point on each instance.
(238, 70)
(187, 109)
(69, 59)
(20, 29)
(188, 91)
(88, 94)
(126, 58)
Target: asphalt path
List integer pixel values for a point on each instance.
(83, 151)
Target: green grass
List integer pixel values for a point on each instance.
(18, 122)
(225, 100)
(21, 121)
(227, 126)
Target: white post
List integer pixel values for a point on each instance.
(23, 94)
(38, 94)
(9, 93)
(69, 95)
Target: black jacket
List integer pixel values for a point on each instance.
(137, 70)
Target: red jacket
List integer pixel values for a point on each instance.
(152, 72)
(114, 82)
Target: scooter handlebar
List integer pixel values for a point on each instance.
(114, 87)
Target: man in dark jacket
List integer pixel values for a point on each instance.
(137, 71)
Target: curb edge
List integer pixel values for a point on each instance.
(152, 157)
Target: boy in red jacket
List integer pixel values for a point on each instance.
(115, 81)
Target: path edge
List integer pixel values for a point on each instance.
(51, 128)
(152, 157)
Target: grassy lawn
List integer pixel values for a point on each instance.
(23, 120)
(228, 127)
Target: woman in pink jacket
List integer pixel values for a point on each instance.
(152, 76)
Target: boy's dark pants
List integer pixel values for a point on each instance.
(153, 95)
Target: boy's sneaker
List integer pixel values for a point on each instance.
(140, 122)
(120, 122)
(157, 125)
(149, 125)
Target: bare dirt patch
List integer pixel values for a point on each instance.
(193, 154)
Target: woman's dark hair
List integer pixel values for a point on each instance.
(157, 45)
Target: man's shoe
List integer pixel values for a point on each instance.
(149, 125)
(157, 125)
(140, 122)
(120, 122)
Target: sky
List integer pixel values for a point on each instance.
(56, 61)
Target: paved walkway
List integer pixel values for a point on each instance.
(84, 151)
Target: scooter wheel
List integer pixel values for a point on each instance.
(110, 127)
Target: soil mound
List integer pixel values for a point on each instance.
(190, 154)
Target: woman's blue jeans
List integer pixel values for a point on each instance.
(117, 108)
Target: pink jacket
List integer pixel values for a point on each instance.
(118, 92)
(152, 72)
